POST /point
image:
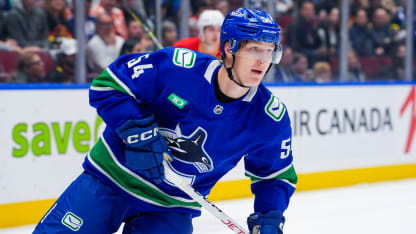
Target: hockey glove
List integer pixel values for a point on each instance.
(270, 223)
(144, 147)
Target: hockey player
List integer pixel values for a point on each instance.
(208, 41)
(207, 114)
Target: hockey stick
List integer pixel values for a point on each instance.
(210, 207)
(147, 29)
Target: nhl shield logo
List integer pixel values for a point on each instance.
(218, 109)
(184, 58)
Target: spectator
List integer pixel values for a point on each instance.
(374, 5)
(283, 71)
(325, 5)
(199, 6)
(354, 68)
(300, 68)
(366, 5)
(209, 23)
(134, 30)
(27, 25)
(89, 25)
(329, 33)
(234, 4)
(105, 46)
(360, 35)
(361, 4)
(193, 27)
(58, 24)
(322, 72)
(399, 15)
(147, 43)
(284, 6)
(390, 6)
(303, 36)
(169, 33)
(398, 21)
(396, 71)
(2, 16)
(222, 5)
(382, 34)
(170, 10)
(9, 44)
(132, 46)
(322, 16)
(128, 7)
(31, 69)
(109, 7)
(65, 69)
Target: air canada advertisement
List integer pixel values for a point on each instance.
(343, 127)
(47, 133)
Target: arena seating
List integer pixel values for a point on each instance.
(9, 61)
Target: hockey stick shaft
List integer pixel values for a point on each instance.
(147, 30)
(205, 203)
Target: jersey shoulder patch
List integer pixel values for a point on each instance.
(275, 108)
(184, 58)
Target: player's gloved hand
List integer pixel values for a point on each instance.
(144, 147)
(270, 223)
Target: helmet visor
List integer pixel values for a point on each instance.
(259, 53)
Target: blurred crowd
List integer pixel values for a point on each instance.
(38, 37)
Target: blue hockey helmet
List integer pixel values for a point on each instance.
(252, 25)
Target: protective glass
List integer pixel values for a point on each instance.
(258, 53)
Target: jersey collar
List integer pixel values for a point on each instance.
(209, 75)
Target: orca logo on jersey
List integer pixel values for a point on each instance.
(189, 149)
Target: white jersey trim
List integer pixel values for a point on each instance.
(252, 91)
(283, 180)
(210, 70)
(101, 88)
(273, 175)
(139, 178)
(120, 82)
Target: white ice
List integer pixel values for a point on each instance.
(379, 208)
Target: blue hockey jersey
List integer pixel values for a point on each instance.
(206, 137)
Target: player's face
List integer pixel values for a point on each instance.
(212, 35)
(252, 62)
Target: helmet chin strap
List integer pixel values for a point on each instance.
(230, 74)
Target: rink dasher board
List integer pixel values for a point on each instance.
(338, 130)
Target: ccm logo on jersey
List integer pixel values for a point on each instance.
(144, 136)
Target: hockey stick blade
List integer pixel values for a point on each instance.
(205, 203)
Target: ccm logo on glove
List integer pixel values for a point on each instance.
(144, 136)
(144, 147)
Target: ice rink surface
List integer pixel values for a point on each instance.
(379, 208)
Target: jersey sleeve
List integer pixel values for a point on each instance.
(123, 87)
(271, 171)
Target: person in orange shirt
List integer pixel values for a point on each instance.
(208, 42)
(109, 7)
